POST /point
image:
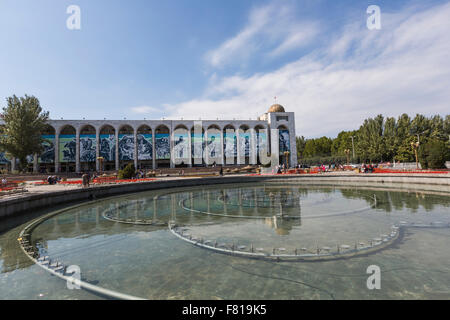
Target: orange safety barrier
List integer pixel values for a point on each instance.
(10, 186)
(379, 170)
(71, 182)
(101, 180)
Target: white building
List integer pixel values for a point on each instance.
(79, 145)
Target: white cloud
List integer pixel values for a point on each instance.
(271, 28)
(402, 68)
(144, 110)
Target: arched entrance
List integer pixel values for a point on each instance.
(145, 147)
(214, 145)
(198, 147)
(88, 148)
(284, 145)
(262, 145)
(46, 160)
(126, 146)
(244, 139)
(108, 148)
(230, 145)
(162, 138)
(181, 152)
(67, 149)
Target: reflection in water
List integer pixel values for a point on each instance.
(148, 261)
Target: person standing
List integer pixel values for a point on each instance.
(84, 179)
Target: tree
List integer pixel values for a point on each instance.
(403, 139)
(24, 122)
(370, 144)
(128, 172)
(389, 138)
(301, 143)
(433, 154)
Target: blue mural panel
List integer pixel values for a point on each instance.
(3, 158)
(126, 147)
(48, 155)
(108, 147)
(244, 140)
(145, 146)
(67, 147)
(214, 147)
(162, 146)
(181, 145)
(198, 145)
(88, 145)
(284, 141)
(261, 138)
(230, 145)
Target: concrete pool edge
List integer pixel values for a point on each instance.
(13, 207)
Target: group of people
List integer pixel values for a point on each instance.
(367, 168)
(86, 179)
(280, 169)
(53, 180)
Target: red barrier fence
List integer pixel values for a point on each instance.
(11, 186)
(380, 170)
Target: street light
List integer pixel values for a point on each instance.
(347, 152)
(286, 155)
(415, 146)
(100, 160)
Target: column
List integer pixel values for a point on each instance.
(117, 148)
(253, 147)
(190, 149)
(222, 148)
(238, 147)
(57, 165)
(153, 150)
(293, 161)
(77, 152)
(206, 155)
(13, 164)
(135, 154)
(35, 163)
(97, 150)
(172, 148)
(275, 147)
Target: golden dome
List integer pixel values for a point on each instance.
(276, 108)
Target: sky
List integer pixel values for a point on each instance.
(225, 59)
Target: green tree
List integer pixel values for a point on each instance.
(403, 139)
(301, 143)
(370, 144)
(342, 142)
(128, 172)
(433, 154)
(389, 138)
(24, 122)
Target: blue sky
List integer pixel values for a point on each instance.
(228, 59)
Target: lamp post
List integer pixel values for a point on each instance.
(347, 153)
(100, 160)
(415, 146)
(286, 155)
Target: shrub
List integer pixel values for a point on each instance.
(128, 172)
